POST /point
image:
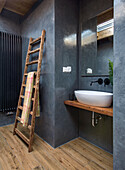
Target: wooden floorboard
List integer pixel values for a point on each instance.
(76, 154)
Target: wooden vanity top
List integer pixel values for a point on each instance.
(105, 111)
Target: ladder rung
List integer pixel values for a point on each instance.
(22, 96)
(32, 62)
(34, 41)
(26, 74)
(31, 112)
(20, 107)
(29, 127)
(24, 85)
(34, 51)
(37, 60)
(19, 119)
(33, 99)
(22, 136)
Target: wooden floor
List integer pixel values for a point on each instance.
(76, 154)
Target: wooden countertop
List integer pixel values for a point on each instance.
(101, 110)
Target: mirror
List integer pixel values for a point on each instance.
(97, 44)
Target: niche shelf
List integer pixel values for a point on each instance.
(105, 24)
(105, 33)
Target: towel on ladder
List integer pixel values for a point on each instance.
(27, 100)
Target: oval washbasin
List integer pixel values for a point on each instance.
(94, 98)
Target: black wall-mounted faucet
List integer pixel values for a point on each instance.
(99, 81)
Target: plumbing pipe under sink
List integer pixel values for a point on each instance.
(95, 121)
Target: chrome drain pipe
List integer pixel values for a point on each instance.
(95, 121)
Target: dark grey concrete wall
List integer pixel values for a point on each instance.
(9, 22)
(43, 18)
(119, 85)
(66, 28)
(58, 123)
(91, 8)
(101, 135)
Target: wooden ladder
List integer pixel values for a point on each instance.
(31, 127)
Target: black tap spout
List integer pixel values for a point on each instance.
(93, 82)
(99, 81)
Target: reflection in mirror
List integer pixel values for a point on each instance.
(97, 43)
(89, 45)
(88, 36)
(70, 40)
(104, 54)
(105, 29)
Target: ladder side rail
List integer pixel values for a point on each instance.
(36, 86)
(22, 88)
(36, 89)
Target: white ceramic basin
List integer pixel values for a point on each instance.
(94, 98)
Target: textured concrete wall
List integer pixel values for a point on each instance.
(43, 18)
(10, 22)
(102, 135)
(92, 8)
(66, 28)
(119, 85)
(58, 123)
